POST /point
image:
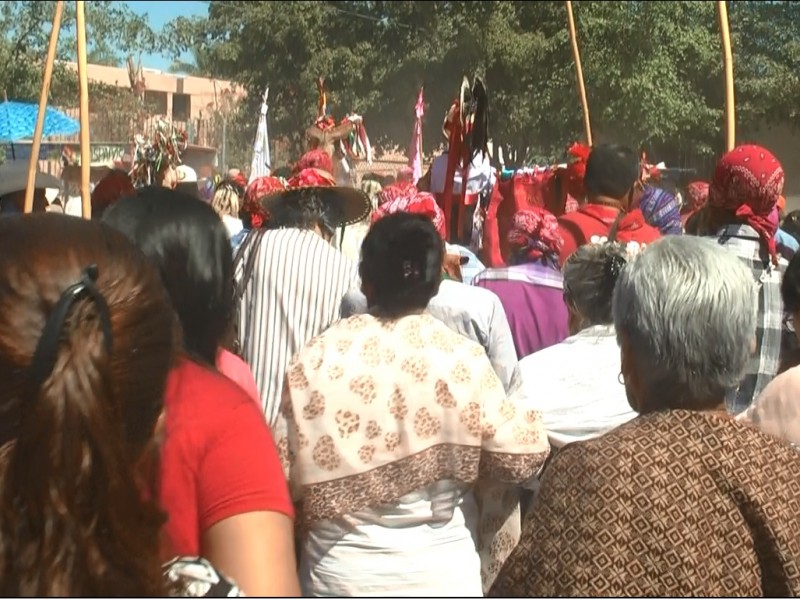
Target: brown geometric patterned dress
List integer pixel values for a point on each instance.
(675, 503)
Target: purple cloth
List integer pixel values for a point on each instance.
(661, 210)
(533, 298)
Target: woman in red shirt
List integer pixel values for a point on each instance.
(221, 481)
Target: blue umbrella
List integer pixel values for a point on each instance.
(18, 122)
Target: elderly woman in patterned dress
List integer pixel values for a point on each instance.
(682, 501)
(387, 422)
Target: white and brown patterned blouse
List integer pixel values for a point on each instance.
(374, 410)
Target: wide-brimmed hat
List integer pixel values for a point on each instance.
(350, 204)
(14, 178)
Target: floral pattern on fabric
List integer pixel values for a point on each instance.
(257, 190)
(696, 196)
(373, 410)
(410, 200)
(534, 234)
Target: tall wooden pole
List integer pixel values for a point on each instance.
(576, 54)
(83, 81)
(727, 59)
(33, 165)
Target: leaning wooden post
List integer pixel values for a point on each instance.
(576, 54)
(727, 59)
(33, 165)
(83, 82)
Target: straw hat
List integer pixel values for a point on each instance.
(14, 178)
(351, 205)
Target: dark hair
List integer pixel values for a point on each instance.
(790, 286)
(611, 171)
(304, 208)
(190, 188)
(791, 224)
(401, 260)
(590, 275)
(77, 517)
(285, 171)
(190, 246)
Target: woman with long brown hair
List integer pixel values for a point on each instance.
(87, 338)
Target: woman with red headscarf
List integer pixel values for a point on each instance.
(742, 199)
(531, 289)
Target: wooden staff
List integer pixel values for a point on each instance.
(727, 59)
(83, 82)
(576, 54)
(33, 164)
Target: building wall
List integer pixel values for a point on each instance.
(173, 95)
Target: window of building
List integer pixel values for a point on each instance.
(156, 102)
(181, 107)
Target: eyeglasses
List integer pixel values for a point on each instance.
(788, 323)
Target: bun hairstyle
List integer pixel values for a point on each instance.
(84, 358)
(590, 276)
(401, 262)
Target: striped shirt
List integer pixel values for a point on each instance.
(295, 293)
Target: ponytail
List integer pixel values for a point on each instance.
(72, 519)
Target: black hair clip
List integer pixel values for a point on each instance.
(613, 267)
(410, 271)
(44, 358)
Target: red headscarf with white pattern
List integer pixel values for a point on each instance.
(410, 200)
(748, 181)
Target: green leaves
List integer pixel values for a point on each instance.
(653, 70)
(113, 32)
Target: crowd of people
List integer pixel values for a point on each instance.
(291, 386)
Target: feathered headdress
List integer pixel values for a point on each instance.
(466, 127)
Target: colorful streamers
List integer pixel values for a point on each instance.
(153, 155)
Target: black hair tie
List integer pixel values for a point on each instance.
(44, 358)
(613, 267)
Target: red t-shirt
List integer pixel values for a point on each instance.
(577, 228)
(218, 459)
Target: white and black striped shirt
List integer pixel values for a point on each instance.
(295, 293)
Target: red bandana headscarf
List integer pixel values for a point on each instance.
(696, 196)
(314, 159)
(311, 177)
(414, 201)
(748, 181)
(398, 189)
(534, 235)
(576, 170)
(258, 189)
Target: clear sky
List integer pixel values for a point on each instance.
(160, 13)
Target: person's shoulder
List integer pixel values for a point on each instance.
(471, 293)
(351, 328)
(453, 346)
(203, 390)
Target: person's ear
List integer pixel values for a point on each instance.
(629, 374)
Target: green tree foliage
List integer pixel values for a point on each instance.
(113, 32)
(653, 70)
